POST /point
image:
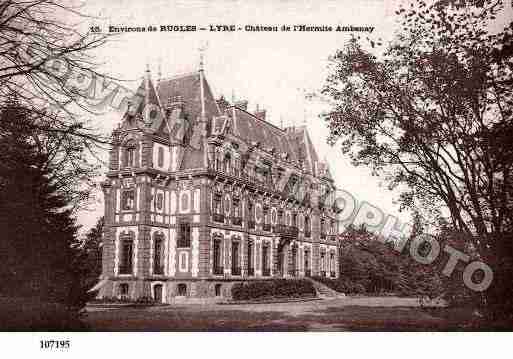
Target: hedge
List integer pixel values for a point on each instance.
(274, 288)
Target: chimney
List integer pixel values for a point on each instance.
(260, 114)
(243, 105)
(222, 103)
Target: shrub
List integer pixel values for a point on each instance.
(275, 288)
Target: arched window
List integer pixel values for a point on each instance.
(160, 157)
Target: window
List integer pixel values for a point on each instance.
(217, 290)
(218, 266)
(280, 217)
(265, 260)
(251, 269)
(294, 219)
(307, 260)
(130, 148)
(332, 262)
(158, 255)
(227, 164)
(217, 203)
(182, 289)
(128, 200)
(125, 260)
(160, 157)
(250, 214)
(184, 235)
(235, 258)
(123, 291)
(160, 201)
(308, 229)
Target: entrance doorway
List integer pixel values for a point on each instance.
(157, 293)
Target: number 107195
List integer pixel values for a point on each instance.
(54, 344)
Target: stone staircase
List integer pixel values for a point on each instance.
(325, 292)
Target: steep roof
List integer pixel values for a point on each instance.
(294, 141)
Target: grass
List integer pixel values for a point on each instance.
(308, 316)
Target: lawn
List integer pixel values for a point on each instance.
(326, 315)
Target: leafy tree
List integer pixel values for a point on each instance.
(432, 114)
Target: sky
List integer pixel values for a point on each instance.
(271, 69)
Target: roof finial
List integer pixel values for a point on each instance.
(202, 50)
(281, 122)
(233, 97)
(160, 69)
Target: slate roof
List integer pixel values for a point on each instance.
(248, 127)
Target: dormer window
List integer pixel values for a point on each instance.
(227, 164)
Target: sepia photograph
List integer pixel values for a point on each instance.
(257, 166)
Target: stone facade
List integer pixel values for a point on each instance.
(201, 194)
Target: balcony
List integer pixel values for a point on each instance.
(289, 231)
(333, 274)
(236, 271)
(308, 273)
(308, 234)
(251, 272)
(125, 269)
(218, 271)
(332, 237)
(218, 217)
(251, 224)
(266, 272)
(237, 221)
(266, 227)
(293, 273)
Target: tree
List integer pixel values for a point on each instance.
(46, 64)
(432, 115)
(38, 230)
(88, 261)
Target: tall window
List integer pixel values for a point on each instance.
(280, 217)
(218, 263)
(265, 260)
(235, 258)
(308, 228)
(160, 201)
(158, 255)
(307, 260)
(184, 235)
(130, 149)
(123, 290)
(294, 219)
(217, 203)
(126, 253)
(250, 259)
(250, 215)
(332, 262)
(227, 164)
(128, 200)
(160, 157)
